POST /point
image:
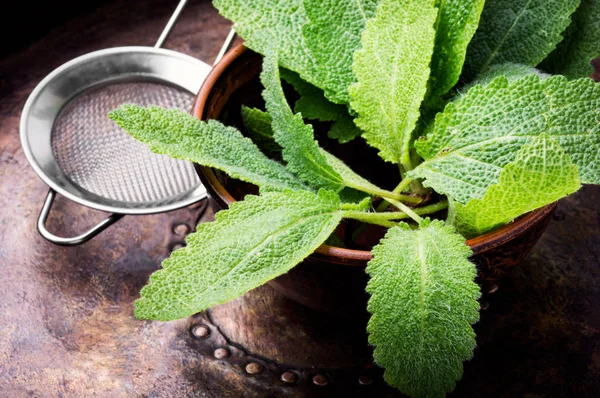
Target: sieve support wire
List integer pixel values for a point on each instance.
(173, 20)
(77, 240)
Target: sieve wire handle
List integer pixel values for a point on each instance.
(173, 20)
(77, 240)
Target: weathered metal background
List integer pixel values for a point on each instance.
(66, 324)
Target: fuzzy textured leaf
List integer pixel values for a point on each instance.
(265, 24)
(181, 136)
(254, 241)
(300, 150)
(332, 36)
(423, 302)
(509, 71)
(541, 173)
(581, 45)
(456, 24)
(313, 105)
(517, 31)
(479, 134)
(258, 128)
(392, 69)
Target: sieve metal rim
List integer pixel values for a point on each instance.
(183, 81)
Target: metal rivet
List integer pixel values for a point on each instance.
(365, 380)
(484, 305)
(320, 380)
(181, 229)
(177, 246)
(254, 368)
(558, 216)
(288, 377)
(201, 331)
(221, 353)
(493, 289)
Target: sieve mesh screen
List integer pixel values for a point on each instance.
(96, 154)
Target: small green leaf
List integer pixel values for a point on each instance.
(457, 22)
(344, 129)
(300, 150)
(541, 174)
(581, 45)
(423, 302)
(476, 136)
(254, 241)
(392, 69)
(517, 31)
(258, 129)
(181, 136)
(313, 105)
(333, 35)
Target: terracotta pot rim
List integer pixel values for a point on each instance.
(351, 257)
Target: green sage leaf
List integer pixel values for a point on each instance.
(392, 69)
(300, 150)
(333, 35)
(254, 241)
(517, 31)
(423, 302)
(456, 24)
(313, 105)
(181, 136)
(581, 45)
(479, 134)
(258, 128)
(541, 174)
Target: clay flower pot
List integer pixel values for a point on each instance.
(333, 279)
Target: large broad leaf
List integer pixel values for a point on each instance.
(423, 302)
(480, 133)
(540, 174)
(319, 49)
(456, 24)
(247, 245)
(181, 136)
(582, 43)
(392, 69)
(313, 105)
(300, 150)
(265, 24)
(517, 31)
(333, 35)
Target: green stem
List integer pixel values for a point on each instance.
(385, 194)
(403, 184)
(407, 210)
(385, 218)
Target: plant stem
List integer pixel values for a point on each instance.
(406, 210)
(403, 184)
(384, 219)
(385, 194)
(385, 204)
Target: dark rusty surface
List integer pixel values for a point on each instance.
(66, 324)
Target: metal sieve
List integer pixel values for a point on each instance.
(81, 154)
